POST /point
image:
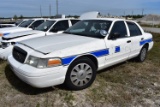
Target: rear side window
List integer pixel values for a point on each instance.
(74, 21)
(134, 29)
(120, 28)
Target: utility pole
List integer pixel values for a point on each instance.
(57, 6)
(142, 12)
(50, 11)
(124, 14)
(40, 11)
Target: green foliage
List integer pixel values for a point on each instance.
(15, 17)
(21, 17)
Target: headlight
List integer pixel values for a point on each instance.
(43, 62)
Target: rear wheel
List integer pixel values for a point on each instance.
(81, 74)
(143, 54)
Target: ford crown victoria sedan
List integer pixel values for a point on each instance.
(74, 57)
(50, 27)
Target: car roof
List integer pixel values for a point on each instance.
(58, 19)
(108, 19)
(39, 19)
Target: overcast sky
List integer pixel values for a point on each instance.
(8, 8)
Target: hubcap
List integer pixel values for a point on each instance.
(143, 54)
(81, 74)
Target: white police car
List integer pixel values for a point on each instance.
(51, 26)
(75, 56)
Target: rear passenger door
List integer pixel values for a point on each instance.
(136, 37)
(119, 48)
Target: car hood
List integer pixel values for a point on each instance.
(13, 30)
(7, 28)
(56, 42)
(20, 34)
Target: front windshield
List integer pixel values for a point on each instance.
(26, 24)
(45, 26)
(18, 22)
(22, 23)
(89, 28)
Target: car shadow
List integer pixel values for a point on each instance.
(22, 86)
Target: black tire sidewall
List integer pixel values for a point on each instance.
(139, 57)
(68, 81)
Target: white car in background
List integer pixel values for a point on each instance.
(17, 23)
(75, 56)
(51, 26)
(26, 26)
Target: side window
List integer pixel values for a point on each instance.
(36, 24)
(134, 29)
(118, 28)
(74, 21)
(60, 26)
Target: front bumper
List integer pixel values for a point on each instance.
(39, 78)
(4, 53)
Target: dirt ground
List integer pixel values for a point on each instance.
(124, 85)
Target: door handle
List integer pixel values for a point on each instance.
(142, 38)
(129, 41)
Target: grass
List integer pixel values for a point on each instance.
(126, 84)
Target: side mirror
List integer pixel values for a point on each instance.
(114, 36)
(103, 33)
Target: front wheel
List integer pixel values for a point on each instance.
(143, 54)
(81, 74)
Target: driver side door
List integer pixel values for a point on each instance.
(118, 43)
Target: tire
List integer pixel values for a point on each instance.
(142, 55)
(81, 74)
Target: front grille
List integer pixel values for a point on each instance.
(19, 54)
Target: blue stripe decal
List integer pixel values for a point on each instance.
(145, 41)
(100, 53)
(67, 60)
(117, 49)
(4, 34)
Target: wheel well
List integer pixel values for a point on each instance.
(146, 45)
(91, 58)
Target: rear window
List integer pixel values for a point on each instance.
(74, 21)
(134, 29)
